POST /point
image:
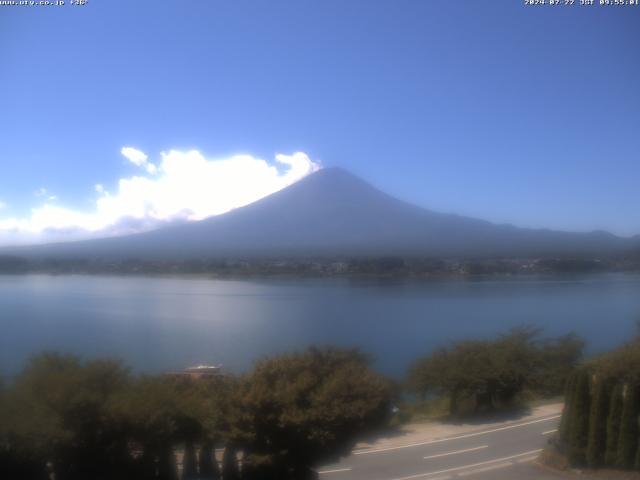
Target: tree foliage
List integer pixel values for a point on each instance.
(61, 412)
(565, 421)
(493, 373)
(628, 441)
(579, 419)
(301, 409)
(613, 425)
(598, 423)
(610, 384)
(94, 420)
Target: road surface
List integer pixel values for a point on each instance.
(499, 452)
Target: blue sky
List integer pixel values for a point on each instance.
(512, 113)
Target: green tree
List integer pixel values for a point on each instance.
(613, 425)
(20, 458)
(558, 359)
(628, 441)
(230, 463)
(189, 462)
(165, 413)
(301, 409)
(67, 404)
(598, 423)
(488, 373)
(579, 428)
(207, 463)
(155, 413)
(565, 421)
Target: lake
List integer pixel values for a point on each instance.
(161, 323)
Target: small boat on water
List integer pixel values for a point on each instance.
(198, 371)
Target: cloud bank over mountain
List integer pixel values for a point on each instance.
(181, 186)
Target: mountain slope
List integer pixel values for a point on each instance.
(332, 212)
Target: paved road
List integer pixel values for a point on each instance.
(502, 452)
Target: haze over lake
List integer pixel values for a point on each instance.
(161, 323)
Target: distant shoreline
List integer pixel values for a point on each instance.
(288, 268)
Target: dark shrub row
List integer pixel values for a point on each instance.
(599, 426)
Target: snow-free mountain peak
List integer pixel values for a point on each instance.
(335, 213)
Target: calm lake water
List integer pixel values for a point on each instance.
(155, 324)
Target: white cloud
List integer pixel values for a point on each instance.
(139, 159)
(43, 192)
(2, 205)
(134, 155)
(183, 186)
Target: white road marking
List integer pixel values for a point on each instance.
(337, 470)
(527, 459)
(549, 432)
(465, 467)
(485, 469)
(456, 452)
(459, 437)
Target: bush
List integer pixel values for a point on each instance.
(628, 442)
(598, 423)
(613, 425)
(493, 374)
(579, 420)
(567, 412)
(602, 410)
(93, 420)
(301, 409)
